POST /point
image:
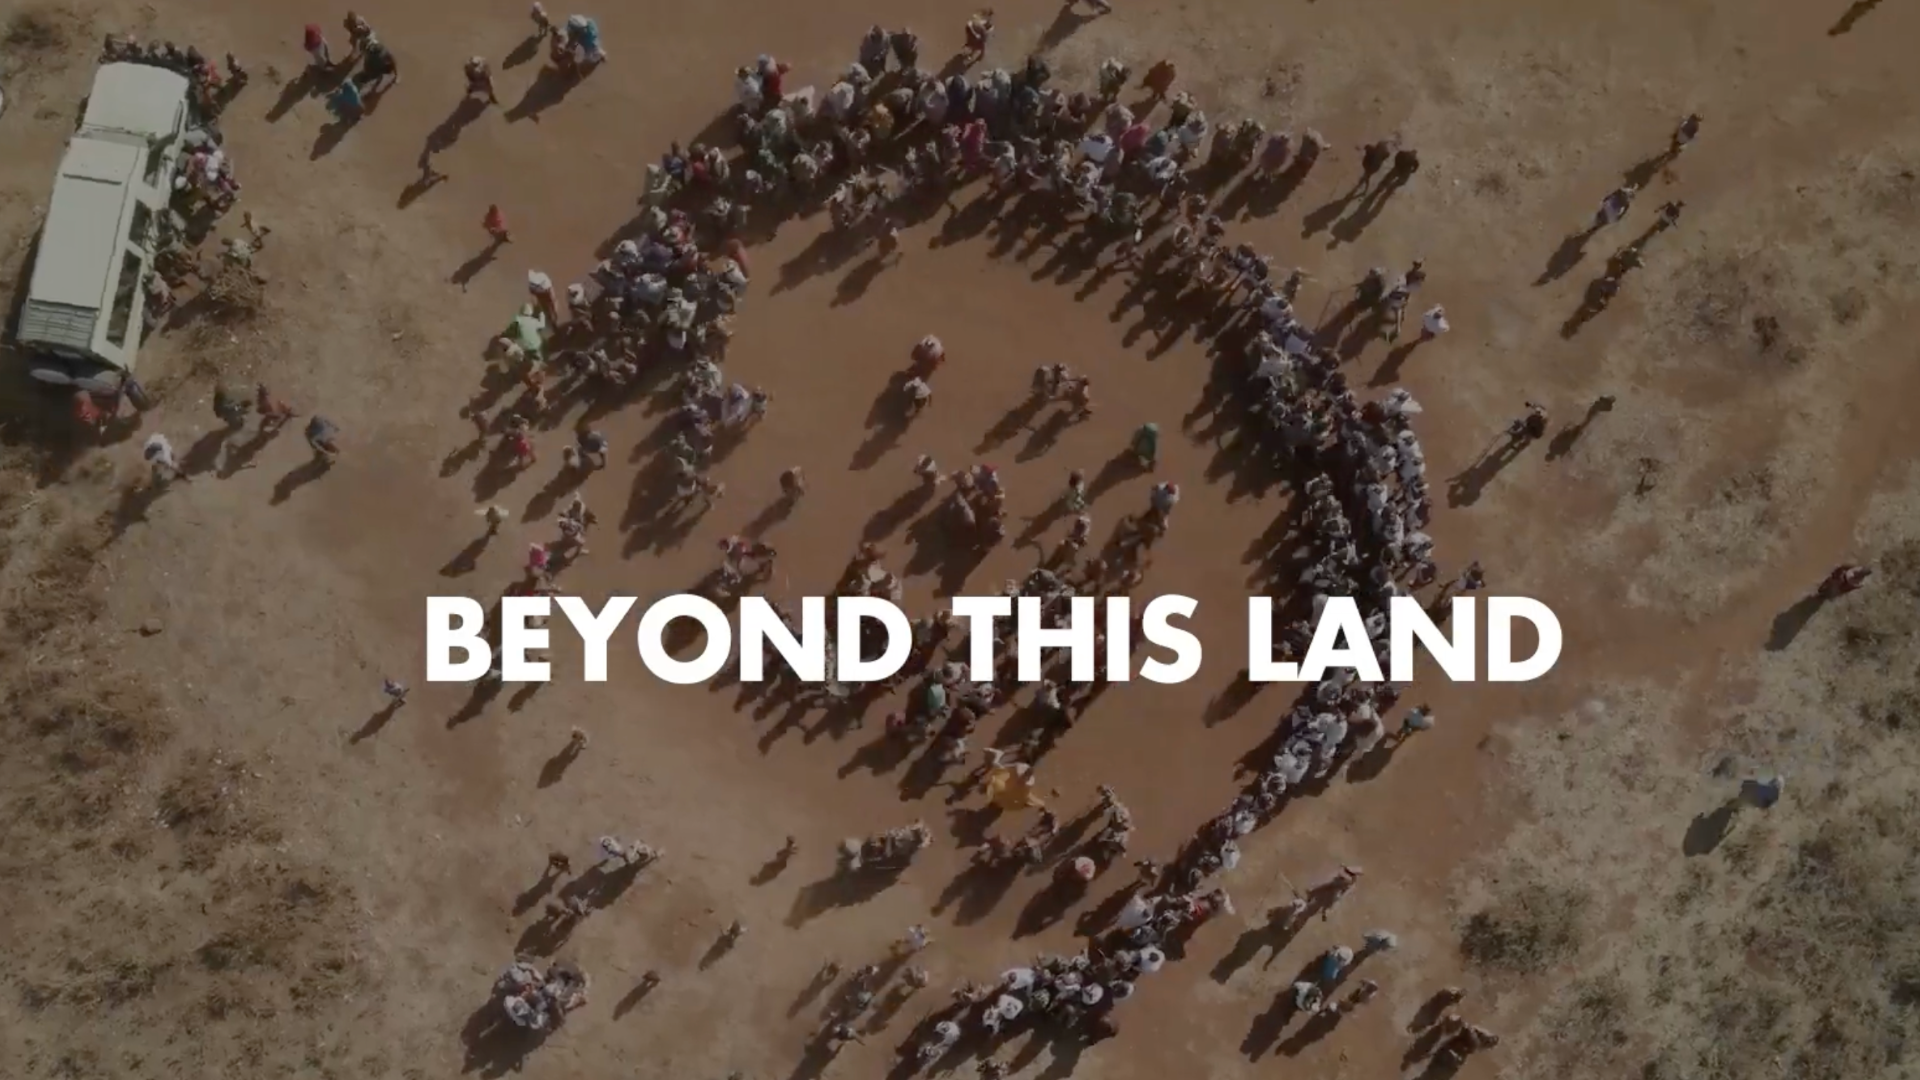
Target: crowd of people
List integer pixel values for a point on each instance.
(879, 134)
(1136, 179)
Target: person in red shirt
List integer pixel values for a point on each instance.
(88, 414)
(315, 42)
(496, 225)
(273, 412)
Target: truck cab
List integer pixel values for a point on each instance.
(86, 299)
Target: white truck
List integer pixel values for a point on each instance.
(81, 323)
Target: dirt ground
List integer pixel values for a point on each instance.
(220, 857)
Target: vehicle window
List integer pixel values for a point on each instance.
(125, 295)
(154, 158)
(142, 222)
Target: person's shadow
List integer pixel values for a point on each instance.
(1564, 440)
(298, 478)
(557, 765)
(374, 723)
(528, 48)
(331, 134)
(295, 91)
(467, 271)
(1708, 830)
(548, 89)
(1788, 624)
(1853, 15)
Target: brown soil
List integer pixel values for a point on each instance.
(221, 855)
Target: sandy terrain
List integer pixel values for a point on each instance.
(220, 858)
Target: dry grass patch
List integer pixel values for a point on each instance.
(1788, 947)
(1530, 928)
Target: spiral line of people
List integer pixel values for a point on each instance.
(1136, 179)
(669, 294)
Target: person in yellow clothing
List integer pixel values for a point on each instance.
(1010, 784)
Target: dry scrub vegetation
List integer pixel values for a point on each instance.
(152, 907)
(1731, 945)
(1743, 327)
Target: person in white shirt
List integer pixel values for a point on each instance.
(159, 453)
(1434, 323)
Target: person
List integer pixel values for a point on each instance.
(1398, 297)
(560, 54)
(1434, 323)
(1146, 445)
(496, 516)
(929, 353)
(542, 22)
(1075, 499)
(319, 56)
(395, 691)
(345, 103)
(230, 406)
(1669, 215)
(519, 441)
(88, 413)
(1473, 578)
(158, 451)
(1159, 78)
(1419, 718)
(792, 485)
(360, 35)
(979, 29)
(916, 939)
(584, 33)
(1684, 135)
(1164, 497)
(1614, 206)
(906, 46)
(274, 413)
(873, 51)
(496, 225)
(1373, 157)
(918, 395)
(1531, 426)
(480, 80)
(1312, 145)
(1762, 793)
(322, 436)
(589, 449)
(927, 469)
(1101, 6)
(541, 288)
(535, 380)
(1844, 579)
(1406, 162)
(1378, 941)
(381, 69)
